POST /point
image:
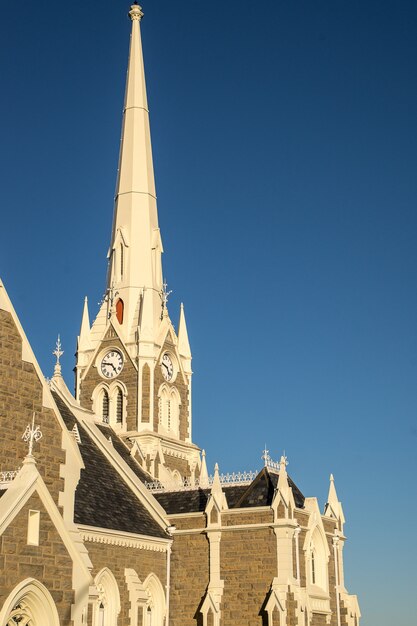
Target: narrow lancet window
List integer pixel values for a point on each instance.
(119, 407)
(313, 569)
(105, 407)
(120, 310)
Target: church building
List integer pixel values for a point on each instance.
(108, 513)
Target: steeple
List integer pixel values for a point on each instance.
(132, 369)
(136, 247)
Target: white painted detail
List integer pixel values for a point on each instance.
(34, 520)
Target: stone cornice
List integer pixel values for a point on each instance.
(125, 540)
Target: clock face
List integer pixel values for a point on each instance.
(167, 367)
(111, 364)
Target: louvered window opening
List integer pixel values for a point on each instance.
(119, 407)
(105, 412)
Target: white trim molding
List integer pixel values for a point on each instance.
(126, 540)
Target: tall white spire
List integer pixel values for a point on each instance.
(135, 250)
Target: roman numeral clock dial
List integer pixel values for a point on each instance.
(111, 364)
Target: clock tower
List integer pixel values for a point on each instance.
(133, 369)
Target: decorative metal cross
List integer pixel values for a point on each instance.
(265, 456)
(32, 434)
(58, 352)
(110, 297)
(164, 294)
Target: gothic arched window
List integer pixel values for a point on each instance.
(107, 608)
(105, 406)
(318, 560)
(29, 604)
(119, 406)
(169, 409)
(313, 568)
(120, 310)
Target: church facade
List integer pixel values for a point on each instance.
(108, 515)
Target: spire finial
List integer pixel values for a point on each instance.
(265, 456)
(58, 352)
(136, 12)
(32, 435)
(164, 295)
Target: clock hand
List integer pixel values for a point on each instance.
(109, 363)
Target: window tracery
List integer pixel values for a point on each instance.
(169, 409)
(107, 607)
(105, 406)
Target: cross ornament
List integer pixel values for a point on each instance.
(265, 456)
(32, 434)
(58, 352)
(164, 294)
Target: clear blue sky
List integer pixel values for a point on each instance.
(285, 150)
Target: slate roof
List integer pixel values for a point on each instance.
(124, 452)
(102, 498)
(259, 493)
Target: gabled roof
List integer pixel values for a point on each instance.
(102, 497)
(260, 492)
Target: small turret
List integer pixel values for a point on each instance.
(333, 506)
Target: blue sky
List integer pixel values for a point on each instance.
(285, 151)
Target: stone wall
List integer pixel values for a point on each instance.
(117, 559)
(248, 564)
(189, 577)
(49, 563)
(20, 395)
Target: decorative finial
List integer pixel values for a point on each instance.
(283, 461)
(109, 297)
(136, 12)
(32, 434)
(164, 295)
(265, 456)
(58, 352)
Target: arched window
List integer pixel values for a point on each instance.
(107, 607)
(318, 556)
(155, 609)
(29, 604)
(169, 410)
(120, 310)
(119, 406)
(313, 568)
(105, 406)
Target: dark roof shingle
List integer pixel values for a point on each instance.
(102, 498)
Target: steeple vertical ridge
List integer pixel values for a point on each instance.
(136, 247)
